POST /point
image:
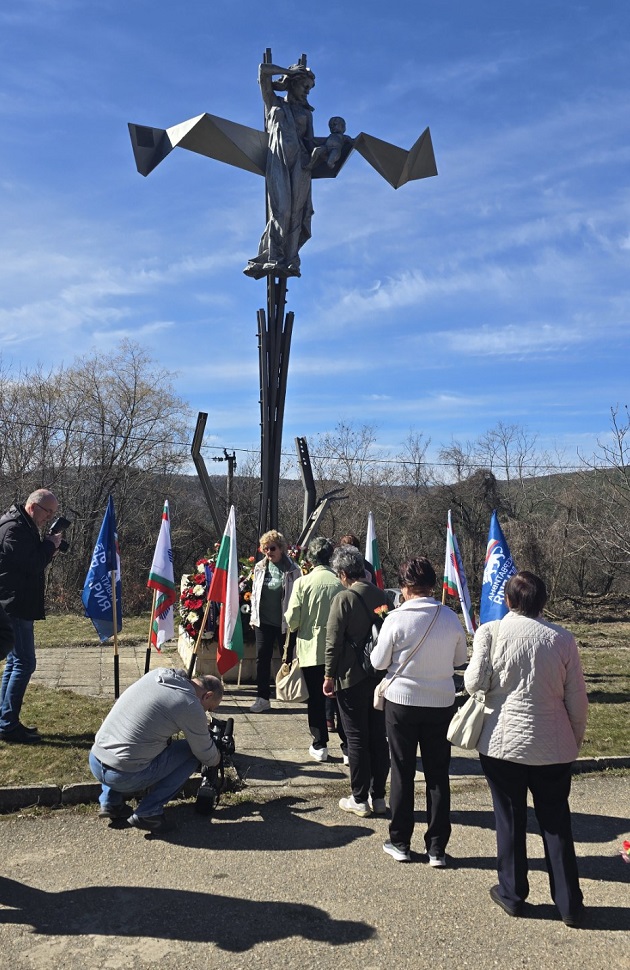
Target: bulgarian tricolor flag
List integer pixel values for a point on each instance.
(371, 551)
(162, 581)
(455, 577)
(224, 589)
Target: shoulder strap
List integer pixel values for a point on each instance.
(371, 616)
(402, 666)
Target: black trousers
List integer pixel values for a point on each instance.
(368, 751)
(266, 637)
(550, 786)
(408, 727)
(316, 705)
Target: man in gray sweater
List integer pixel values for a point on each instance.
(133, 749)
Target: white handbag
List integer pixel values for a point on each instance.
(466, 724)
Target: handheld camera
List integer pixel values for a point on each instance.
(212, 779)
(60, 524)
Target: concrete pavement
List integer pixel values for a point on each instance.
(279, 877)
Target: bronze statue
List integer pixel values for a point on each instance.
(288, 154)
(289, 124)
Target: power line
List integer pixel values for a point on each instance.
(540, 466)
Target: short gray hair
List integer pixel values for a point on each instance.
(40, 495)
(211, 683)
(320, 550)
(348, 560)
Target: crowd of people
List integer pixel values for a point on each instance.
(528, 669)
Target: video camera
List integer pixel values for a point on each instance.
(213, 779)
(60, 524)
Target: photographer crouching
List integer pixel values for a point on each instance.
(133, 749)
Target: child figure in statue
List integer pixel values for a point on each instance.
(330, 151)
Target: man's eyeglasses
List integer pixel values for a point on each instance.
(49, 512)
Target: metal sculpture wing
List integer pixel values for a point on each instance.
(246, 148)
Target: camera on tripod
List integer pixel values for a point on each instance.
(213, 778)
(60, 524)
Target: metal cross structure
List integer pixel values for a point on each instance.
(289, 155)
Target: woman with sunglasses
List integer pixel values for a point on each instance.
(272, 585)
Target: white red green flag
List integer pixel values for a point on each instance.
(455, 578)
(224, 590)
(162, 580)
(371, 551)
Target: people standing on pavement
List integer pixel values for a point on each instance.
(350, 622)
(333, 720)
(536, 706)
(425, 641)
(272, 585)
(308, 612)
(133, 749)
(24, 556)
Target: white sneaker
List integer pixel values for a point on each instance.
(400, 855)
(378, 805)
(438, 861)
(346, 759)
(260, 705)
(319, 754)
(362, 809)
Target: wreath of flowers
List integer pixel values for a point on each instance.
(192, 599)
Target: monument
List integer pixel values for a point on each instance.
(289, 156)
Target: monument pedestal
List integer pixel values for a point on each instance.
(206, 662)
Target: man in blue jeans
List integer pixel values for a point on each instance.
(134, 751)
(24, 556)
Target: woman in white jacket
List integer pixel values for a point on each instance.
(536, 707)
(419, 704)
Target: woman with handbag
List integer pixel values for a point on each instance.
(308, 612)
(349, 625)
(419, 645)
(272, 585)
(536, 707)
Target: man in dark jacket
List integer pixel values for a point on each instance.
(24, 556)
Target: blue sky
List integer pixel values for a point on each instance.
(499, 291)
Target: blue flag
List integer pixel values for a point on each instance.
(498, 568)
(97, 591)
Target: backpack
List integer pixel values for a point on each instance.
(363, 648)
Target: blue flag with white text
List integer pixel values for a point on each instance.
(498, 568)
(97, 592)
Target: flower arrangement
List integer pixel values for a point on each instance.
(192, 599)
(382, 612)
(194, 589)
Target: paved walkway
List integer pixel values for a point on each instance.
(271, 748)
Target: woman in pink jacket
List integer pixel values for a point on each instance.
(536, 708)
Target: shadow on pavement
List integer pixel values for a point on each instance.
(230, 923)
(281, 825)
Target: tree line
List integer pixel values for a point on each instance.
(113, 423)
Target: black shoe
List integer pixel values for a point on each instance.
(20, 735)
(516, 910)
(155, 824)
(116, 811)
(576, 920)
(29, 730)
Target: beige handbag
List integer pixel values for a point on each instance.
(464, 730)
(290, 684)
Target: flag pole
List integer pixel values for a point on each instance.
(204, 620)
(115, 619)
(147, 662)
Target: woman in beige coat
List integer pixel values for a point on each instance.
(536, 708)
